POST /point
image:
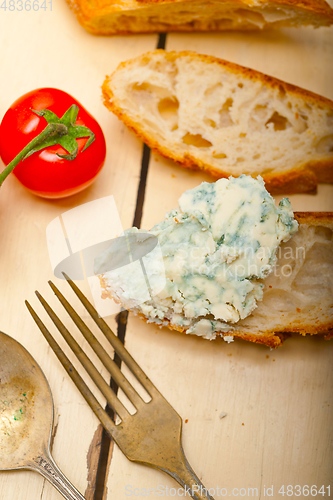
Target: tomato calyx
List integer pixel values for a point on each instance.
(68, 139)
(61, 131)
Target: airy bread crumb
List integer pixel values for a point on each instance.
(298, 295)
(207, 113)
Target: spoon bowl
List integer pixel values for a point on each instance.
(26, 417)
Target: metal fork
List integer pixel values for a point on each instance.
(152, 436)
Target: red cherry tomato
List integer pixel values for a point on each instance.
(44, 173)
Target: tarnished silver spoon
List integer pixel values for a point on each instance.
(26, 417)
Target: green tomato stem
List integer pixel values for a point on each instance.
(52, 129)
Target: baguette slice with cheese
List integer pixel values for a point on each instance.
(297, 295)
(207, 113)
(106, 17)
(228, 262)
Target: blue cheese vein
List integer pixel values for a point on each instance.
(216, 247)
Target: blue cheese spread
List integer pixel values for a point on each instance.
(213, 252)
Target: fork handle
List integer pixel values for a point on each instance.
(188, 479)
(46, 466)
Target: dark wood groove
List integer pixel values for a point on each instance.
(106, 448)
(161, 41)
(142, 186)
(101, 476)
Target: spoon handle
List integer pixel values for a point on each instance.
(46, 466)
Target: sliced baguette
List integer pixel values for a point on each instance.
(101, 17)
(207, 113)
(298, 294)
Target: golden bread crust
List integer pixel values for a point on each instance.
(105, 17)
(270, 339)
(315, 218)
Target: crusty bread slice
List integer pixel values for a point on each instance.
(106, 17)
(226, 119)
(298, 294)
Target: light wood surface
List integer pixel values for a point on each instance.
(277, 430)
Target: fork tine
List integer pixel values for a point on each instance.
(85, 361)
(150, 437)
(114, 341)
(100, 413)
(109, 364)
